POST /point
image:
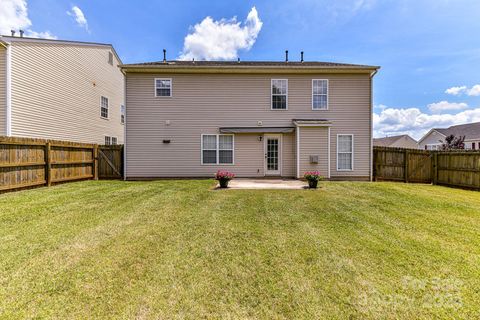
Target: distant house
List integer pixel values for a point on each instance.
(401, 141)
(64, 90)
(255, 118)
(434, 139)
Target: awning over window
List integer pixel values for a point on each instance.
(257, 130)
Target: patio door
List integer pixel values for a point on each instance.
(273, 154)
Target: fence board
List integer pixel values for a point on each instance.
(451, 168)
(26, 162)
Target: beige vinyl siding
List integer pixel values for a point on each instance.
(3, 91)
(314, 141)
(201, 103)
(57, 89)
(289, 155)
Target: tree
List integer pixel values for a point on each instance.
(453, 143)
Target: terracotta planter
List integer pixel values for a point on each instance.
(223, 183)
(312, 184)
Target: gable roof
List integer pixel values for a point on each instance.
(388, 141)
(8, 39)
(471, 131)
(247, 66)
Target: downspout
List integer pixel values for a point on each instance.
(298, 151)
(371, 123)
(329, 154)
(8, 115)
(124, 125)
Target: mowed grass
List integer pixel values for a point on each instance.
(178, 249)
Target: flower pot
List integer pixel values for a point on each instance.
(223, 183)
(312, 184)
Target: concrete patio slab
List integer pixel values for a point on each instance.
(243, 183)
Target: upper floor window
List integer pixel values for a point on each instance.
(110, 58)
(163, 87)
(217, 149)
(319, 94)
(122, 114)
(104, 108)
(344, 152)
(279, 94)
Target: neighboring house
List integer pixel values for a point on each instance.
(256, 119)
(65, 90)
(402, 141)
(434, 139)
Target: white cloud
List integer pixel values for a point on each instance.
(14, 15)
(221, 40)
(412, 121)
(77, 13)
(456, 90)
(442, 106)
(473, 91)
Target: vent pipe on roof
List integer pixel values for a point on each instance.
(13, 32)
(21, 33)
(286, 55)
(238, 59)
(164, 55)
(301, 56)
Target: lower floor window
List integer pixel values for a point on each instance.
(345, 152)
(217, 149)
(432, 147)
(110, 140)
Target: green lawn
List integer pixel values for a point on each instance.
(177, 249)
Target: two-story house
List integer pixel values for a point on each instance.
(63, 90)
(256, 119)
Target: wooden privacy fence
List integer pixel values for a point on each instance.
(26, 162)
(450, 168)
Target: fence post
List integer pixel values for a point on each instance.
(435, 167)
(48, 164)
(406, 165)
(95, 162)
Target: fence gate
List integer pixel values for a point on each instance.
(418, 166)
(110, 162)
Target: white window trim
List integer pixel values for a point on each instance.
(436, 145)
(108, 108)
(155, 86)
(105, 140)
(271, 95)
(328, 95)
(217, 135)
(280, 154)
(111, 140)
(353, 151)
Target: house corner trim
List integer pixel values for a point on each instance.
(8, 115)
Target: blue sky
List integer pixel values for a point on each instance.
(424, 47)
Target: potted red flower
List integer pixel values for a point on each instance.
(224, 177)
(312, 177)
